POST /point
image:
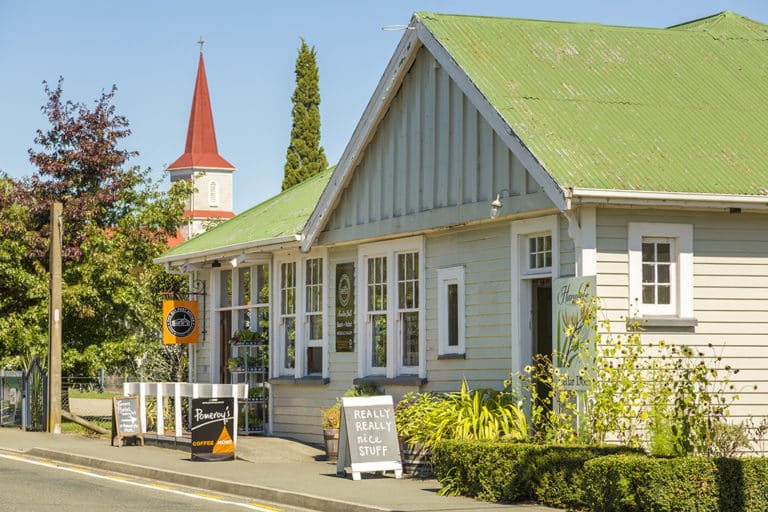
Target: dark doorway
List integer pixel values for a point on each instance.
(541, 313)
(225, 333)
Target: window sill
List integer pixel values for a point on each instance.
(303, 381)
(662, 321)
(461, 355)
(381, 381)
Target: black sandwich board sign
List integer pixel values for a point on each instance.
(126, 421)
(213, 423)
(368, 436)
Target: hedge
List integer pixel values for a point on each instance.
(509, 472)
(633, 483)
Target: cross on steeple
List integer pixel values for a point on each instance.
(201, 42)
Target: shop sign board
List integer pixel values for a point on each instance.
(345, 307)
(180, 323)
(126, 421)
(213, 422)
(368, 436)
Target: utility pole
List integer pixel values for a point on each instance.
(54, 323)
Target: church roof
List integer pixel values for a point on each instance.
(201, 151)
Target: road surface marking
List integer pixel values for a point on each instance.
(156, 487)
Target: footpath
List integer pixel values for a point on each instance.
(267, 468)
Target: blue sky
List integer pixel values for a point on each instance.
(148, 49)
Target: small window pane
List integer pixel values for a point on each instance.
(379, 341)
(410, 337)
(314, 360)
(453, 315)
(649, 253)
(663, 252)
(648, 295)
(663, 274)
(664, 295)
(648, 273)
(289, 333)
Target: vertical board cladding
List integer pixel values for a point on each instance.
(484, 254)
(432, 151)
(730, 292)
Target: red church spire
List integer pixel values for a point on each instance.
(201, 150)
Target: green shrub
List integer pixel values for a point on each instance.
(508, 471)
(632, 483)
(426, 419)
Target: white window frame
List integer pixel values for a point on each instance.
(520, 281)
(299, 370)
(445, 278)
(681, 303)
(235, 308)
(390, 250)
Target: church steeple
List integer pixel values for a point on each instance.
(211, 175)
(201, 151)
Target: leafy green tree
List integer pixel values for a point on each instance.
(115, 221)
(305, 156)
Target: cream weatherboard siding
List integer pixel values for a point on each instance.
(433, 161)
(730, 291)
(484, 254)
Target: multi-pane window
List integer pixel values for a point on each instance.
(301, 347)
(377, 311)
(540, 252)
(313, 277)
(243, 304)
(288, 313)
(408, 307)
(392, 317)
(658, 268)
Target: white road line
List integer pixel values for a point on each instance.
(124, 480)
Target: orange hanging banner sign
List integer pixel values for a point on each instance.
(179, 322)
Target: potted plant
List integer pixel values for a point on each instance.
(331, 417)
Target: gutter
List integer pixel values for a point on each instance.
(685, 199)
(220, 251)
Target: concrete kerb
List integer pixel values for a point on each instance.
(288, 498)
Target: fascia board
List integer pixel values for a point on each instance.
(554, 191)
(388, 85)
(684, 199)
(220, 252)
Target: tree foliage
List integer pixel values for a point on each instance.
(115, 221)
(305, 156)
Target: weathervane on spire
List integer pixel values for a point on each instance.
(201, 42)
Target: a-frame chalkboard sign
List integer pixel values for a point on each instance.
(126, 421)
(368, 437)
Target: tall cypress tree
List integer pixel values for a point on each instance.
(305, 156)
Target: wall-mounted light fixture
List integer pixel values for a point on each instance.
(496, 204)
(215, 264)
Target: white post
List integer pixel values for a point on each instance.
(143, 406)
(160, 419)
(177, 407)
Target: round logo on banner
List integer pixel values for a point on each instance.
(344, 290)
(180, 321)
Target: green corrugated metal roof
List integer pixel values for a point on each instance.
(282, 215)
(682, 109)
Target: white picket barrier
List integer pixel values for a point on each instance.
(177, 390)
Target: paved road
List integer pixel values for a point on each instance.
(29, 484)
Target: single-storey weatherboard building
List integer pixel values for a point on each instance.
(635, 155)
